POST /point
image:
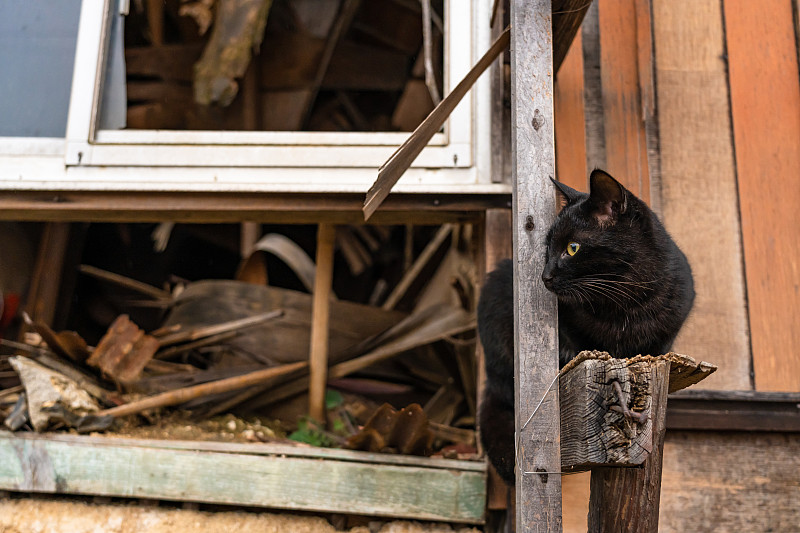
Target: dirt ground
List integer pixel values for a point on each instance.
(44, 515)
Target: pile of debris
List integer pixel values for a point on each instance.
(398, 381)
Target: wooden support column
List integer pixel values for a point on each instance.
(318, 357)
(46, 278)
(535, 314)
(627, 499)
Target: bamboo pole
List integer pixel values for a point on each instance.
(320, 314)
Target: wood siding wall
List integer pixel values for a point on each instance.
(695, 106)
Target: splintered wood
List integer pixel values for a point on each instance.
(608, 405)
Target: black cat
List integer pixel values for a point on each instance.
(622, 284)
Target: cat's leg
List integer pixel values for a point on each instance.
(497, 435)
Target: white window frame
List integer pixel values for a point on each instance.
(277, 161)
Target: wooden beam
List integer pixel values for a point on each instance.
(535, 313)
(46, 276)
(500, 133)
(593, 91)
(627, 499)
(318, 356)
(701, 410)
(765, 108)
(279, 208)
(421, 262)
(261, 475)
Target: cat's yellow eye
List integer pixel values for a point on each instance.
(573, 247)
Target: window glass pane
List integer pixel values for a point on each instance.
(37, 50)
(279, 65)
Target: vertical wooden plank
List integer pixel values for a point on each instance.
(593, 91)
(626, 146)
(46, 278)
(535, 315)
(627, 499)
(570, 126)
(318, 358)
(765, 105)
(647, 96)
(499, 113)
(498, 237)
(698, 183)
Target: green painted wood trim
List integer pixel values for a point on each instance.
(82, 465)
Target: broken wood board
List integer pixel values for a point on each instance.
(123, 352)
(398, 163)
(606, 406)
(263, 475)
(284, 340)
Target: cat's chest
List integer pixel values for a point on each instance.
(599, 330)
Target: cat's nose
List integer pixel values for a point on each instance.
(547, 278)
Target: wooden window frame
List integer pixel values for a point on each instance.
(456, 160)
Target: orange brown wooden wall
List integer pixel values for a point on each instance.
(695, 106)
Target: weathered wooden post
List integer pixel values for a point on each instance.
(613, 414)
(535, 314)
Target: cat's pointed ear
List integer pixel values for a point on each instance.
(608, 197)
(566, 194)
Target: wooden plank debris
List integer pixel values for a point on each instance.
(46, 276)
(399, 162)
(123, 352)
(49, 393)
(179, 396)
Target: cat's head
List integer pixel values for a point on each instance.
(597, 238)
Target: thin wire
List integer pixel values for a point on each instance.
(518, 435)
(541, 401)
(581, 8)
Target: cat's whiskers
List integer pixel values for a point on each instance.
(581, 296)
(602, 287)
(601, 291)
(608, 288)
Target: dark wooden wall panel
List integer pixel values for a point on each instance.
(730, 482)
